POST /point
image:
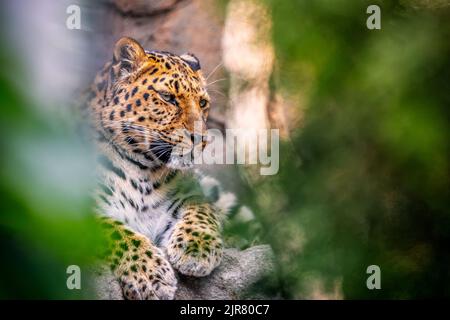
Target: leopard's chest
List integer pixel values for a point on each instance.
(145, 205)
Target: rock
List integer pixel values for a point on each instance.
(144, 7)
(105, 285)
(238, 271)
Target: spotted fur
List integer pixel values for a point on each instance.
(143, 107)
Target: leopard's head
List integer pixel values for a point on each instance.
(152, 105)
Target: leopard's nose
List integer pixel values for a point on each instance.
(198, 139)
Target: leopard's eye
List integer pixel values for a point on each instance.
(203, 103)
(166, 96)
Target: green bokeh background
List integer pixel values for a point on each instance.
(371, 161)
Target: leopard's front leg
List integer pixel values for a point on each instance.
(195, 246)
(143, 271)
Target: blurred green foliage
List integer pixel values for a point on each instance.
(365, 179)
(46, 220)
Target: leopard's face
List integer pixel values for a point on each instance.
(153, 105)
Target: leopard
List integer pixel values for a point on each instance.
(148, 111)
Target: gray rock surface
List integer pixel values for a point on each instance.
(238, 271)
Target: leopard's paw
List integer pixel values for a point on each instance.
(147, 275)
(194, 252)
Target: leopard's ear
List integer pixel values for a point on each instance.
(128, 57)
(191, 60)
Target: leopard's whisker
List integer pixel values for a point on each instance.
(214, 70)
(215, 81)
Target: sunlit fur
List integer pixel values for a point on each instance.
(133, 114)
